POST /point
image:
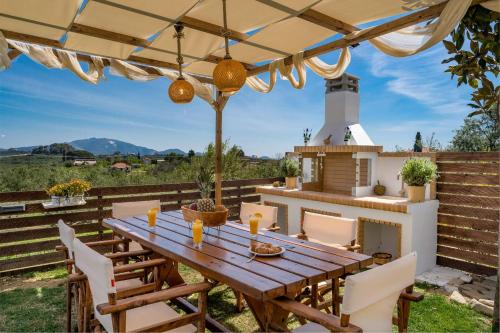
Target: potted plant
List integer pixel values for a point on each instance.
(76, 189)
(307, 136)
(58, 193)
(416, 173)
(290, 170)
(204, 209)
(347, 135)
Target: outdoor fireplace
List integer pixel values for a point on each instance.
(339, 172)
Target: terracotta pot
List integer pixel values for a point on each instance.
(416, 193)
(291, 182)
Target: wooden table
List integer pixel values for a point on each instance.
(224, 257)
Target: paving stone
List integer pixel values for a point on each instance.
(488, 302)
(457, 281)
(457, 297)
(483, 308)
(441, 276)
(478, 290)
(449, 289)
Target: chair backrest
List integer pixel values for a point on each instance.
(370, 296)
(329, 229)
(67, 235)
(269, 214)
(133, 208)
(99, 271)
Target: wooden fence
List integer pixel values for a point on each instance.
(28, 238)
(468, 190)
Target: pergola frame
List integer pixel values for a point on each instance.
(221, 99)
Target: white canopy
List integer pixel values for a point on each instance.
(262, 31)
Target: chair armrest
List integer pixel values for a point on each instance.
(352, 247)
(299, 236)
(275, 228)
(117, 255)
(121, 269)
(106, 242)
(121, 255)
(96, 243)
(331, 322)
(139, 265)
(159, 296)
(413, 297)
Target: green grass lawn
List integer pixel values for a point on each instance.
(41, 309)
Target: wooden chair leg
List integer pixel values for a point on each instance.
(69, 301)
(240, 301)
(404, 312)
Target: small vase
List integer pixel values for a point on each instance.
(56, 200)
(416, 193)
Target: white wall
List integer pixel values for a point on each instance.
(418, 226)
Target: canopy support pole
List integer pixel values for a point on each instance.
(219, 105)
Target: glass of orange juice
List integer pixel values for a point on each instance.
(152, 217)
(254, 224)
(197, 233)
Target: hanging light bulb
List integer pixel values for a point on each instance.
(180, 91)
(229, 75)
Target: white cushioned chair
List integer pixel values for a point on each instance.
(143, 312)
(123, 210)
(371, 296)
(67, 236)
(329, 230)
(269, 215)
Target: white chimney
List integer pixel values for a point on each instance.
(342, 113)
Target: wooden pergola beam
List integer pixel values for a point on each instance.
(328, 22)
(382, 29)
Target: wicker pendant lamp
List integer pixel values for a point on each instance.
(229, 75)
(180, 91)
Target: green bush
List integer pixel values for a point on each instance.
(418, 172)
(290, 168)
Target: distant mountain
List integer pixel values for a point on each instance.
(170, 151)
(104, 146)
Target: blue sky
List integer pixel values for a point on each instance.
(399, 96)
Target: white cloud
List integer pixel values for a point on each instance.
(2, 136)
(420, 77)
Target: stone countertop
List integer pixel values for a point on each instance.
(387, 203)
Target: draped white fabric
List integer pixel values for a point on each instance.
(286, 70)
(4, 56)
(260, 85)
(414, 39)
(42, 54)
(315, 64)
(70, 61)
(53, 58)
(330, 71)
(131, 72)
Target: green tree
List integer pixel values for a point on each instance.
(476, 134)
(191, 153)
(477, 64)
(417, 146)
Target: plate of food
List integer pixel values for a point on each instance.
(266, 250)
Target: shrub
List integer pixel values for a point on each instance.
(290, 168)
(418, 172)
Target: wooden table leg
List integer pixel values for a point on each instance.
(335, 296)
(269, 316)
